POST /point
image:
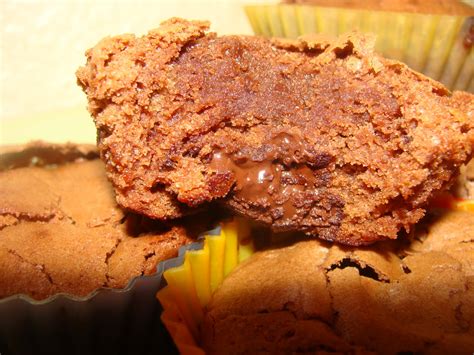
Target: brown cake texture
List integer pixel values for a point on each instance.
(61, 230)
(315, 135)
(396, 297)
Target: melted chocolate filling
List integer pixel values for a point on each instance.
(276, 177)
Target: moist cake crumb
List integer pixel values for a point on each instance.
(316, 135)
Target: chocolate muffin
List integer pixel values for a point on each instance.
(412, 295)
(317, 135)
(61, 230)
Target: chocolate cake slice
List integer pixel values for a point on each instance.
(315, 135)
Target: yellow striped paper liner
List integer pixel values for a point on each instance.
(465, 205)
(448, 201)
(431, 44)
(190, 285)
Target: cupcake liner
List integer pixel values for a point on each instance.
(431, 44)
(106, 321)
(194, 275)
(124, 321)
(448, 201)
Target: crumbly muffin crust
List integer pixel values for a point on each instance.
(316, 135)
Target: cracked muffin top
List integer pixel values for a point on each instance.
(411, 295)
(61, 230)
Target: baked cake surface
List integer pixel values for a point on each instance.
(315, 135)
(400, 296)
(61, 231)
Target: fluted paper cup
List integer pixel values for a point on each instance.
(440, 46)
(195, 275)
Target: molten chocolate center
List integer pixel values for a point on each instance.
(274, 177)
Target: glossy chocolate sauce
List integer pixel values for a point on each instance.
(276, 178)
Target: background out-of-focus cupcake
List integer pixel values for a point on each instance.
(433, 37)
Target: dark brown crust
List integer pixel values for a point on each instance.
(378, 138)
